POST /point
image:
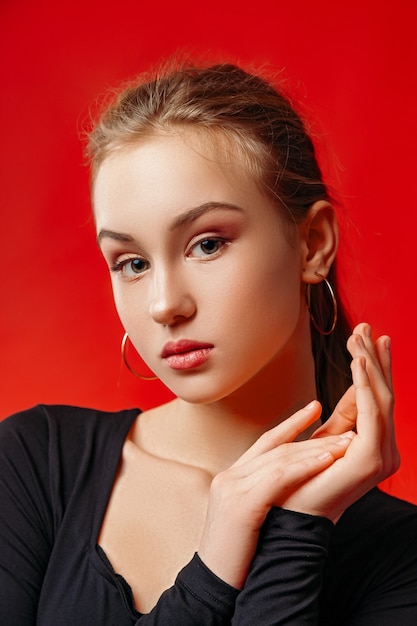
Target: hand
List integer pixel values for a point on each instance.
(366, 407)
(264, 476)
(300, 476)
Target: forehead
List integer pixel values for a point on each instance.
(213, 146)
(172, 172)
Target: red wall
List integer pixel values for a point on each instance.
(353, 64)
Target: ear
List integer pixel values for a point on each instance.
(320, 239)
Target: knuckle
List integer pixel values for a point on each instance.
(391, 401)
(269, 437)
(223, 481)
(283, 449)
(379, 467)
(375, 469)
(395, 462)
(278, 474)
(346, 414)
(388, 399)
(356, 340)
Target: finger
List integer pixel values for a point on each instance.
(378, 351)
(383, 347)
(360, 341)
(383, 350)
(283, 471)
(378, 365)
(295, 452)
(368, 422)
(378, 391)
(378, 373)
(374, 449)
(359, 344)
(286, 431)
(343, 417)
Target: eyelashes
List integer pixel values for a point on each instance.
(133, 265)
(206, 248)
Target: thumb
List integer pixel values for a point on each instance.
(343, 417)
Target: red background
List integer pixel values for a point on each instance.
(352, 65)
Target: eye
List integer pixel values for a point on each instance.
(209, 246)
(131, 267)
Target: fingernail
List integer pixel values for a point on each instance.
(347, 436)
(343, 441)
(310, 405)
(324, 456)
(388, 343)
(368, 331)
(359, 341)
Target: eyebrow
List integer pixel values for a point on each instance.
(182, 220)
(111, 234)
(192, 214)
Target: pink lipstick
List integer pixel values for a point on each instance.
(186, 354)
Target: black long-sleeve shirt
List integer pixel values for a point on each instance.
(57, 468)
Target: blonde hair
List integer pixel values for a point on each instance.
(225, 101)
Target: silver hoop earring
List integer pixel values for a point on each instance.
(126, 362)
(331, 292)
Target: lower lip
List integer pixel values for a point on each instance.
(188, 360)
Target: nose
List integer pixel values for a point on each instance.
(171, 301)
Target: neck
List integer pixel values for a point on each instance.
(212, 436)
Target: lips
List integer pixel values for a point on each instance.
(186, 354)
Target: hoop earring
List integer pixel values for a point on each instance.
(308, 293)
(126, 362)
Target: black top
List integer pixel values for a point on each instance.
(57, 468)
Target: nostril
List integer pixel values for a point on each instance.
(173, 309)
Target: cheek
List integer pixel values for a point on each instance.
(127, 306)
(273, 305)
(256, 315)
(267, 287)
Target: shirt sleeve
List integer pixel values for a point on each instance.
(371, 574)
(198, 597)
(25, 523)
(285, 579)
(282, 587)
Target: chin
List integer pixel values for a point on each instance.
(201, 391)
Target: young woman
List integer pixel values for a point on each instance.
(251, 498)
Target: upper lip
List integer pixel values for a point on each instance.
(182, 345)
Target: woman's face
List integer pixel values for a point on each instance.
(205, 278)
